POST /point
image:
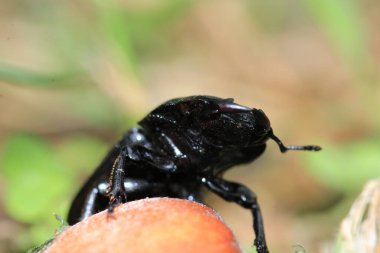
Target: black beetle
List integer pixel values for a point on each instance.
(182, 145)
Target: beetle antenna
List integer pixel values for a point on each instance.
(284, 148)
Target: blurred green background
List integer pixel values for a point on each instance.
(74, 75)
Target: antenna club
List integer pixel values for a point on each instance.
(316, 148)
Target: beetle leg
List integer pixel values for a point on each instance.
(115, 190)
(240, 194)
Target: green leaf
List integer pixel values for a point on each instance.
(36, 178)
(346, 167)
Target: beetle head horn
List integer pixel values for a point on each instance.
(228, 105)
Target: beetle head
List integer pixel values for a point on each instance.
(225, 123)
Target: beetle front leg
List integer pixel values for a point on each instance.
(240, 194)
(115, 190)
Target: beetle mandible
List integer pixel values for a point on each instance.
(181, 146)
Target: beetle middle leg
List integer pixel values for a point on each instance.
(240, 194)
